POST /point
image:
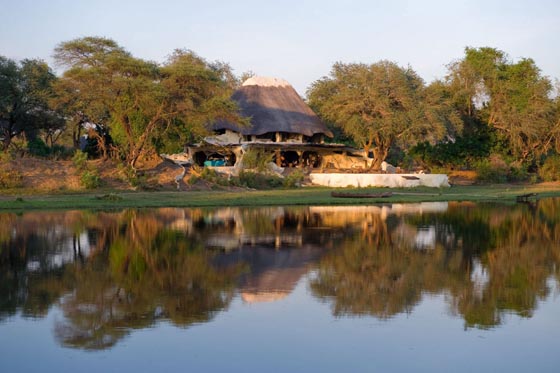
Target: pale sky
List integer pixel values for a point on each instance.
(294, 40)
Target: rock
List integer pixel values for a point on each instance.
(388, 168)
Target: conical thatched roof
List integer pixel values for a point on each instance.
(273, 106)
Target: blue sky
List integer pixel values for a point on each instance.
(294, 40)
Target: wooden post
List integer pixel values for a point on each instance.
(278, 158)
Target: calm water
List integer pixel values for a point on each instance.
(416, 287)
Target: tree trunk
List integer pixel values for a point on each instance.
(380, 153)
(6, 143)
(76, 134)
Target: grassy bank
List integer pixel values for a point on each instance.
(107, 199)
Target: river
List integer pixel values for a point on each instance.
(396, 287)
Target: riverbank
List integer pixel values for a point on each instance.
(110, 199)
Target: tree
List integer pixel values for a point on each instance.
(512, 99)
(379, 105)
(141, 104)
(199, 92)
(25, 91)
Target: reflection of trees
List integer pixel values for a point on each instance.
(149, 272)
(526, 256)
(383, 279)
(33, 251)
(515, 252)
(112, 272)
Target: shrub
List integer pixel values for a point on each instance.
(132, 177)
(80, 160)
(518, 173)
(258, 180)
(38, 148)
(6, 157)
(90, 179)
(10, 178)
(493, 170)
(294, 179)
(61, 152)
(257, 159)
(550, 170)
(497, 170)
(461, 153)
(211, 176)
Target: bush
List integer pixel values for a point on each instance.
(460, 153)
(493, 170)
(38, 148)
(257, 159)
(294, 179)
(550, 170)
(61, 152)
(80, 160)
(519, 173)
(496, 170)
(133, 177)
(211, 176)
(257, 180)
(10, 178)
(90, 179)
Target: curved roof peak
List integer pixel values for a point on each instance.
(265, 81)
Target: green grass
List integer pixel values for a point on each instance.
(109, 199)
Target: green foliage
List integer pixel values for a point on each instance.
(294, 179)
(513, 99)
(211, 176)
(90, 179)
(246, 178)
(257, 159)
(257, 180)
(491, 172)
(26, 89)
(133, 177)
(520, 173)
(463, 152)
(38, 148)
(550, 170)
(61, 152)
(109, 197)
(143, 105)
(496, 170)
(382, 104)
(80, 160)
(10, 178)
(6, 157)
(487, 104)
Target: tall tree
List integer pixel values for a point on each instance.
(379, 105)
(199, 93)
(25, 91)
(512, 99)
(141, 103)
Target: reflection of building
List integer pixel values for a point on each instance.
(273, 273)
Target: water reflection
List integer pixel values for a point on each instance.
(112, 272)
(488, 260)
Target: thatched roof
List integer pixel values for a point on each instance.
(273, 106)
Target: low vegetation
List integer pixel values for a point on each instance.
(108, 199)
